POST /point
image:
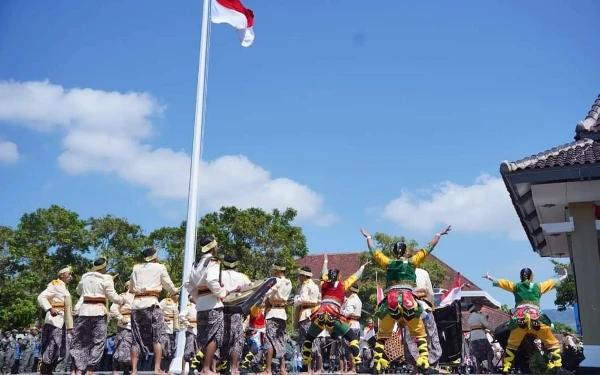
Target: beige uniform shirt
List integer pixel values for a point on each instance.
(187, 317)
(306, 299)
(203, 284)
(352, 309)
(277, 297)
(94, 290)
(147, 281)
(171, 313)
(122, 313)
(57, 296)
(231, 279)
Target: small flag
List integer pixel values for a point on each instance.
(235, 14)
(379, 294)
(453, 294)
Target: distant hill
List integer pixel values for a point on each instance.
(565, 317)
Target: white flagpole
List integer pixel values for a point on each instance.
(193, 197)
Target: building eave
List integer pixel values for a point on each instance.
(483, 294)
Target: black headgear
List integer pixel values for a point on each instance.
(333, 274)
(526, 274)
(230, 261)
(307, 269)
(399, 249)
(99, 262)
(206, 240)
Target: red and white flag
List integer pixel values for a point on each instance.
(235, 14)
(379, 294)
(453, 294)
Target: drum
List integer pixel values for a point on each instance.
(449, 324)
(242, 301)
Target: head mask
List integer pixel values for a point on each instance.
(333, 274)
(526, 274)
(399, 249)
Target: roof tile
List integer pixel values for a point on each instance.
(585, 151)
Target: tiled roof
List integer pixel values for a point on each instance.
(584, 151)
(348, 263)
(495, 317)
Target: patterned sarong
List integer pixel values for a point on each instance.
(169, 345)
(53, 343)
(276, 337)
(210, 327)
(147, 328)
(89, 341)
(303, 327)
(123, 340)
(344, 347)
(191, 346)
(318, 343)
(233, 339)
(433, 342)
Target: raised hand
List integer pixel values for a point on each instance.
(367, 263)
(446, 231)
(487, 276)
(364, 232)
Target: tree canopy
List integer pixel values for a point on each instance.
(566, 292)
(50, 238)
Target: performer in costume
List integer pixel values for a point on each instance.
(352, 310)
(233, 339)
(276, 319)
(187, 317)
(56, 302)
(481, 348)
(147, 320)
(400, 305)
(305, 301)
(89, 336)
(528, 318)
(424, 294)
(329, 316)
(205, 287)
(123, 338)
(170, 310)
(257, 326)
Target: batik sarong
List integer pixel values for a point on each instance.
(344, 347)
(122, 354)
(191, 346)
(302, 331)
(318, 343)
(147, 328)
(169, 345)
(210, 327)
(89, 341)
(233, 339)
(53, 343)
(482, 351)
(276, 337)
(433, 342)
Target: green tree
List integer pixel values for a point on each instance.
(505, 309)
(43, 242)
(562, 328)
(375, 274)
(566, 292)
(120, 242)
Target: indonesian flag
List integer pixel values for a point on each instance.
(235, 14)
(453, 294)
(379, 294)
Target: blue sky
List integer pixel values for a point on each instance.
(394, 116)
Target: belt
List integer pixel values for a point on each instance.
(203, 291)
(308, 305)
(354, 317)
(150, 293)
(475, 328)
(278, 305)
(58, 304)
(126, 314)
(94, 300)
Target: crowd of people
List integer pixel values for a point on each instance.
(327, 316)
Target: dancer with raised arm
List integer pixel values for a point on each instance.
(329, 316)
(528, 317)
(400, 305)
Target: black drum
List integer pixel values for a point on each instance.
(449, 324)
(242, 301)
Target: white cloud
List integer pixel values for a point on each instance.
(107, 132)
(9, 152)
(484, 207)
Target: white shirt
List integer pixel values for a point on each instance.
(57, 295)
(232, 279)
(187, 317)
(478, 320)
(352, 308)
(277, 295)
(150, 277)
(309, 294)
(122, 313)
(424, 282)
(170, 311)
(206, 275)
(95, 286)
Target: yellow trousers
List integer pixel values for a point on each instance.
(544, 334)
(386, 327)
